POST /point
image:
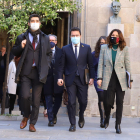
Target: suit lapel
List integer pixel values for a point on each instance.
(118, 55)
(109, 52)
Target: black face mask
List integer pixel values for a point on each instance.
(114, 40)
(52, 44)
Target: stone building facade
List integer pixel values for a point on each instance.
(93, 21)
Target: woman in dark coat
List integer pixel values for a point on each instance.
(95, 56)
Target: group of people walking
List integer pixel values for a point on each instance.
(46, 68)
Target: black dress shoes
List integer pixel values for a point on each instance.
(106, 123)
(51, 124)
(54, 119)
(72, 128)
(102, 123)
(81, 122)
(118, 129)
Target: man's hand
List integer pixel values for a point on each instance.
(99, 82)
(23, 43)
(91, 81)
(131, 85)
(60, 82)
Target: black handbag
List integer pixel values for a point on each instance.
(7, 101)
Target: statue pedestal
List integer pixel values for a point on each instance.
(110, 27)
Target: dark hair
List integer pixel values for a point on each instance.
(75, 29)
(122, 42)
(98, 46)
(34, 15)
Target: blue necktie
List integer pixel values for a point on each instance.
(77, 73)
(76, 52)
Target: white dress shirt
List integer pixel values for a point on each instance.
(53, 51)
(78, 48)
(31, 40)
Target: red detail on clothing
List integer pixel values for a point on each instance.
(117, 40)
(33, 44)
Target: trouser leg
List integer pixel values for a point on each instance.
(12, 102)
(25, 95)
(57, 103)
(119, 104)
(72, 90)
(49, 105)
(36, 96)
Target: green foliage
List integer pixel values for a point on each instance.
(14, 14)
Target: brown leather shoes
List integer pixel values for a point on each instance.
(23, 123)
(32, 128)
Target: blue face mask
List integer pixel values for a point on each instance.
(75, 40)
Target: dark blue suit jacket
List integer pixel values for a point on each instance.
(51, 87)
(69, 64)
(95, 63)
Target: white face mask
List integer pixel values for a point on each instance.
(34, 26)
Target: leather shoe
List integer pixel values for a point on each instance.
(23, 123)
(106, 123)
(81, 122)
(72, 128)
(118, 129)
(51, 124)
(54, 119)
(32, 128)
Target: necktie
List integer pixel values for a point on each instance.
(33, 44)
(77, 73)
(76, 52)
(53, 54)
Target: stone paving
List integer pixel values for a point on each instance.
(9, 130)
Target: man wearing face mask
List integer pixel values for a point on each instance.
(76, 57)
(51, 88)
(34, 48)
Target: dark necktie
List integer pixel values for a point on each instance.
(53, 56)
(76, 56)
(76, 52)
(33, 44)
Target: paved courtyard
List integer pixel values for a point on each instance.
(9, 130)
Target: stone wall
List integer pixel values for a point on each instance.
(93, 22)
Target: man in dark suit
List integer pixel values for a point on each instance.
(51, 88)
(76, 57)
(34, 48)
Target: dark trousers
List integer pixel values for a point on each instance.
(32, 80)
(79, 90)
(53, 109)
(114, 88)
(1, 91)
(100, 96)
(12, 102)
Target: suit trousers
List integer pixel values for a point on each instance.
(79, 90)
(27, 82)
(52, 109)
(109, 96)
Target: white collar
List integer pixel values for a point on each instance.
(53, 49)
(78, 45)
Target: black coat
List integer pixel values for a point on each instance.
(69, 65)
(44, 56)
(51, 87)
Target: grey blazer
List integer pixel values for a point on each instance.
(105, 66)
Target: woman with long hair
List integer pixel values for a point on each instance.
(113, 64)
(95, 55)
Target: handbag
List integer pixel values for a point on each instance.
(7, 101)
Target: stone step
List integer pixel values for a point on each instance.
(16, 111)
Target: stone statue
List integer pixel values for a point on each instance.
(116, 7)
